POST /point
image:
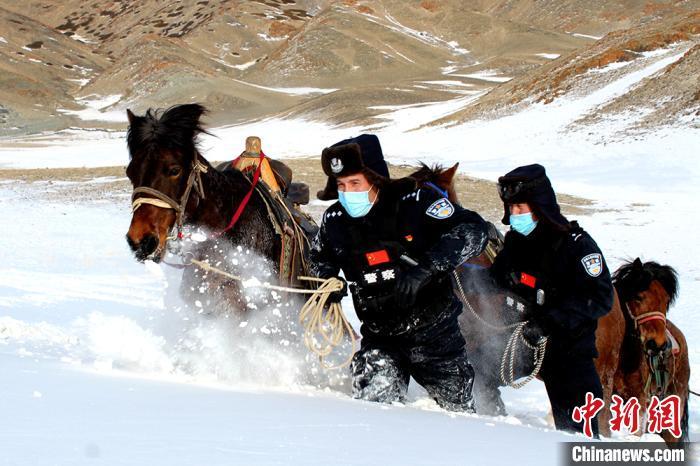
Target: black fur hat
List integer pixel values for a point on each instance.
(342, 160)
(362, 154)
(530, 184)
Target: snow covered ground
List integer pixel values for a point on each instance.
(100, 365)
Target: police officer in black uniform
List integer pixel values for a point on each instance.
(556, 268)
(397, 245)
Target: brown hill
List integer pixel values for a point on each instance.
(40, 69)
(670, 94)
(235, 55)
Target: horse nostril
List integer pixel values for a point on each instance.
(148, 245)
(132, 244)
(143, 248)
(651, 346)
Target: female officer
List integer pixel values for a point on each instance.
(557, 268)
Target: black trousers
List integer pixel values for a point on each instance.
(567, 380)
(435, 357)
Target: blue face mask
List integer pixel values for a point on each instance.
(523, 223)
(356, 204)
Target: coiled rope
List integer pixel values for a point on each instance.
(324, 328)
(509, 354)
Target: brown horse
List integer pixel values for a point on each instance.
(176, 188)
(487, 323)
(654, 357)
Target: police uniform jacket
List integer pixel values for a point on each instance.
(569, 272)
(405, 228)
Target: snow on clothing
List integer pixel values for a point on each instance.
(574, 299)
(421, 339)
(560, 272)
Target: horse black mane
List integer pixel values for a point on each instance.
(427, 173)
(635, 277)
(175, 128)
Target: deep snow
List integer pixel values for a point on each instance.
(100, 364)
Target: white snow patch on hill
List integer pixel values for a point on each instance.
(290, 90)
(549, 56)
(94, 106)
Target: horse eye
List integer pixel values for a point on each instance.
(174, 171)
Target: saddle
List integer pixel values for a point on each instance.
(283, 199)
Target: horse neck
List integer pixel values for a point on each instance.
(222, 194)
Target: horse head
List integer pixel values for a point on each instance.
(442, 178)
(164, 169)
(647, 290)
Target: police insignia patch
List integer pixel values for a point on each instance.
(336, 165)
(442, 208)
(593, 263)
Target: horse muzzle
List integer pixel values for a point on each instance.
(652, 347)
(147, 248)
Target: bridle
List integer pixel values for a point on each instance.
(159, 199)
(644, 317)
(162, 200)
(658, 371)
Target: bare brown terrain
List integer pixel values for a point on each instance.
(240, 58)
(109, 184)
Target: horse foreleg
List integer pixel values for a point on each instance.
(487, 396)
(604, 416)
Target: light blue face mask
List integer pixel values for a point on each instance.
(357, 203)
(523, 223)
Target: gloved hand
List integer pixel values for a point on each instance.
(536, 328)
(409, 283)
(337, 296)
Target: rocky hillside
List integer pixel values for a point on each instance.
(74, 63)
(669, 96)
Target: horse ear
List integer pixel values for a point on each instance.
(447, 177)
(130, 116)
(638, 263)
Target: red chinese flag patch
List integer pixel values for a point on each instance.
(527, 280)
(377, 257)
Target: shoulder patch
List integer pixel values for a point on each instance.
(440, 209)
(593, 263)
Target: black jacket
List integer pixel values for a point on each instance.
(420, 225)
(571, 272)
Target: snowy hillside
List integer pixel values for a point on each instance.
(100, 364)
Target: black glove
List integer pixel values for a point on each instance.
(532, 333)
(536, 327)
(337, 296)
(409, 283)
